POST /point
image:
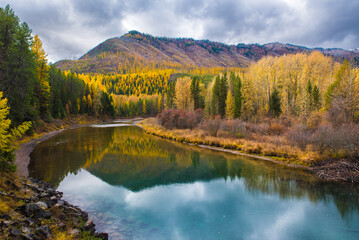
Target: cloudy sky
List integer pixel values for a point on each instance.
(69, 28)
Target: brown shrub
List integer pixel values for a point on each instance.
(258, 128)
(299, 135)
(287, 121)
(181, 119)
(276, 129)
(342, 140)
(234, 128)
(314, 120)
(338, 112)
(332, 141)
(212, 126)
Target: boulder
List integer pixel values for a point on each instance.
(15, 232)
(33, 210)
(75, 232)
(103, 236)
(26, 230)
(42, 205)
(89, 224)
(43, 232)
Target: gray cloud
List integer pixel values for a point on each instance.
(69, 28)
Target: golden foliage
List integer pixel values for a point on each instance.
(183, 94)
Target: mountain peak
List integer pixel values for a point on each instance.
(135, 51)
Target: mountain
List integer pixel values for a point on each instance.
(136, 51)
(256, 51)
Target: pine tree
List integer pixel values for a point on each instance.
(316, 97)
(230, 106)
(195, 90)
(309, 96)
(17, 67)
(171, 92)
(215, 96)
(275, 104)
(223, 88)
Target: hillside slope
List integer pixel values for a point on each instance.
(135, 52)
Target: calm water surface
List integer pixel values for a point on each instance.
(137, 186)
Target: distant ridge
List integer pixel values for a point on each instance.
(137, 51)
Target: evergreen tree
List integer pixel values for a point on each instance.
(309, 96)
(222, 95)
(195, 92)
(275, 104)
(171, 92)
(17, 67)
(215, 96)
(316, 97)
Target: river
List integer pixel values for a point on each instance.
(138, 186)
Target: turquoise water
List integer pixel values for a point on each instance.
(137, 186)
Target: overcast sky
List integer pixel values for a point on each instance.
(70, 28)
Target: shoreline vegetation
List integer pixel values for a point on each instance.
(328, 169)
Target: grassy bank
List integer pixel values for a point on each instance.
(273, 147)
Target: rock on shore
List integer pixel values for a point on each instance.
(42, 214)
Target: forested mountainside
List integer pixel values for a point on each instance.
(136, 52)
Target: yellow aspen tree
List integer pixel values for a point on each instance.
(144, 107)
(8, 136)
(160, 103)
(4, 122)
(230, 106)
(183, 94)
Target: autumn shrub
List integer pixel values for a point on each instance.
(286, 120)
(181, 119)
(276, 129)
(337, 141)
(212, 126)
(299, 135)
(338, 112)
(314, 120)
(233, 128)
(258, 128)
(343, 139)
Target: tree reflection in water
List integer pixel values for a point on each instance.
(125, 156)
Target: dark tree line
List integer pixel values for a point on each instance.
(32, 88)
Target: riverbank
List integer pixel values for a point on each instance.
(344, 170)
(43, 131)
(31, 209)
